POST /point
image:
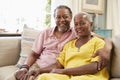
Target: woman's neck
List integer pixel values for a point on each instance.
(84, 38)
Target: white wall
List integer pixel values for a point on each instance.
(113, 16)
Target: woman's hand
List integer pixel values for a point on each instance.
(19, 74)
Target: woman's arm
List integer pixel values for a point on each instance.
(48, 69)
(85, 69)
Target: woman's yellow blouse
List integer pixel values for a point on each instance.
(71, 56)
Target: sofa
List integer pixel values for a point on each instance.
(14, 51)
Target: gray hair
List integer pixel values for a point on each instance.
(87, 16)
(65, 7)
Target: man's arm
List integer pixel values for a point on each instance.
(34, 73)
(19, 74)
(31, 59)
(103, 53)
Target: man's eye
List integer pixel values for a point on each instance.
(58, 17)
(65, 17)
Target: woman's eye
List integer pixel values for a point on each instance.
(75, 24)
(82, 23)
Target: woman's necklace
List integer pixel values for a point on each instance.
(81, 41)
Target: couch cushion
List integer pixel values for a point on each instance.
(115, 66)
(28, 37)
(9, 50)
(115, 79)
(7, 71)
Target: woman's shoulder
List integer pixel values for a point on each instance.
(71, 42)
(97, 39)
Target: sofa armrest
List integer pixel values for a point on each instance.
(9, 50)
(115, 62)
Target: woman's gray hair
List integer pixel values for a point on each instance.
(88, 16)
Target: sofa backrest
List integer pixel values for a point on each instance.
(115, 62)
(9, 50)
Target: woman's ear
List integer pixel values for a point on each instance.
(91, 24)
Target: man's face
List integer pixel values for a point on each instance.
(62, 19)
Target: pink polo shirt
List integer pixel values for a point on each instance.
(49, 47)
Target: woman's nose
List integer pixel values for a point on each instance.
(79, 26)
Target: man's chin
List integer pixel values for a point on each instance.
(63, 30)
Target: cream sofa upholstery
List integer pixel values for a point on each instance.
(9, 55)
(10, 49)
(115, 59)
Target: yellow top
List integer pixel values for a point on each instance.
(71, 56)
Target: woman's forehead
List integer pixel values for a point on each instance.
(81, 17)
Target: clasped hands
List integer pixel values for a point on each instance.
(24, 74)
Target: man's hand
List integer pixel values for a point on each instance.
(58, 71)
(19, 74)
(31, 74)
(104, 58)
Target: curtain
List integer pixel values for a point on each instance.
(113, 16)
(15, 13)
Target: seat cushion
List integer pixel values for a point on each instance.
(7, 71)
(9, 50)
(115, 79)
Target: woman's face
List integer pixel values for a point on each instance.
(62, 19)
(82, 25)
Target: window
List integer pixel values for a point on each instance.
(15, 13)
(48, 13)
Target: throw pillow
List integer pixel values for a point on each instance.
(28, 37)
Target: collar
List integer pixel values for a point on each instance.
(53, 29)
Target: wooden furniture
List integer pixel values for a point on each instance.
(7, 34)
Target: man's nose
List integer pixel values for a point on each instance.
(62, 19)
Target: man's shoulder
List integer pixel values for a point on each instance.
(47, 30)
